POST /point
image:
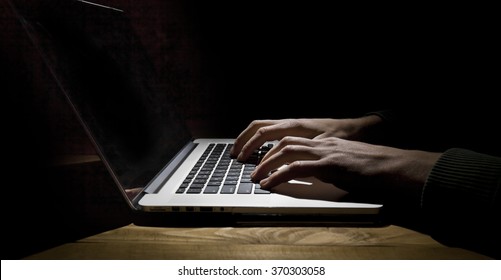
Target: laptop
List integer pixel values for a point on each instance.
(161, 171)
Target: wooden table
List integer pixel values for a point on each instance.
(256, 243)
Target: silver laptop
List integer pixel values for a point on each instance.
(141, 137)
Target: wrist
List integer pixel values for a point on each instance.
(406, 175)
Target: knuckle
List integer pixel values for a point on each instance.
(262, 131)
(292, 123)
(289, 149)
(287, 140)
(295, 165)
(256, 123)
(330, 141)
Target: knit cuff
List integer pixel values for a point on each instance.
(462, 180)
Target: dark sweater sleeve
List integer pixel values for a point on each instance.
(461, 200)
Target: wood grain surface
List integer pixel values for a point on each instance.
(135, 242)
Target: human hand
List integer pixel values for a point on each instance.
(261, 131)
(353, 166)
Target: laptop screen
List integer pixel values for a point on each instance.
(106, 74)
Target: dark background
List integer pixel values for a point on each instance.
(228, 63)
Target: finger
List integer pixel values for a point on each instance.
(247, 134)
(297, 169)
(271, 132)
(288, 154)
(287, 141)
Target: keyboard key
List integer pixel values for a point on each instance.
(245, 188)
(197, 186)
(233, 183)
(194, 190)
(211, 189)
(258, 190)
(261, 191)
(228, 189)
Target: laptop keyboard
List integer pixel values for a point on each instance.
(217, 173)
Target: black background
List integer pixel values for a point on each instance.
(227, 63)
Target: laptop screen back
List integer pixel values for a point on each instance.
(105, 73)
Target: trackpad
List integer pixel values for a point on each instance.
(310, 188)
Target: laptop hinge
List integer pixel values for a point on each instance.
(156, 184)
